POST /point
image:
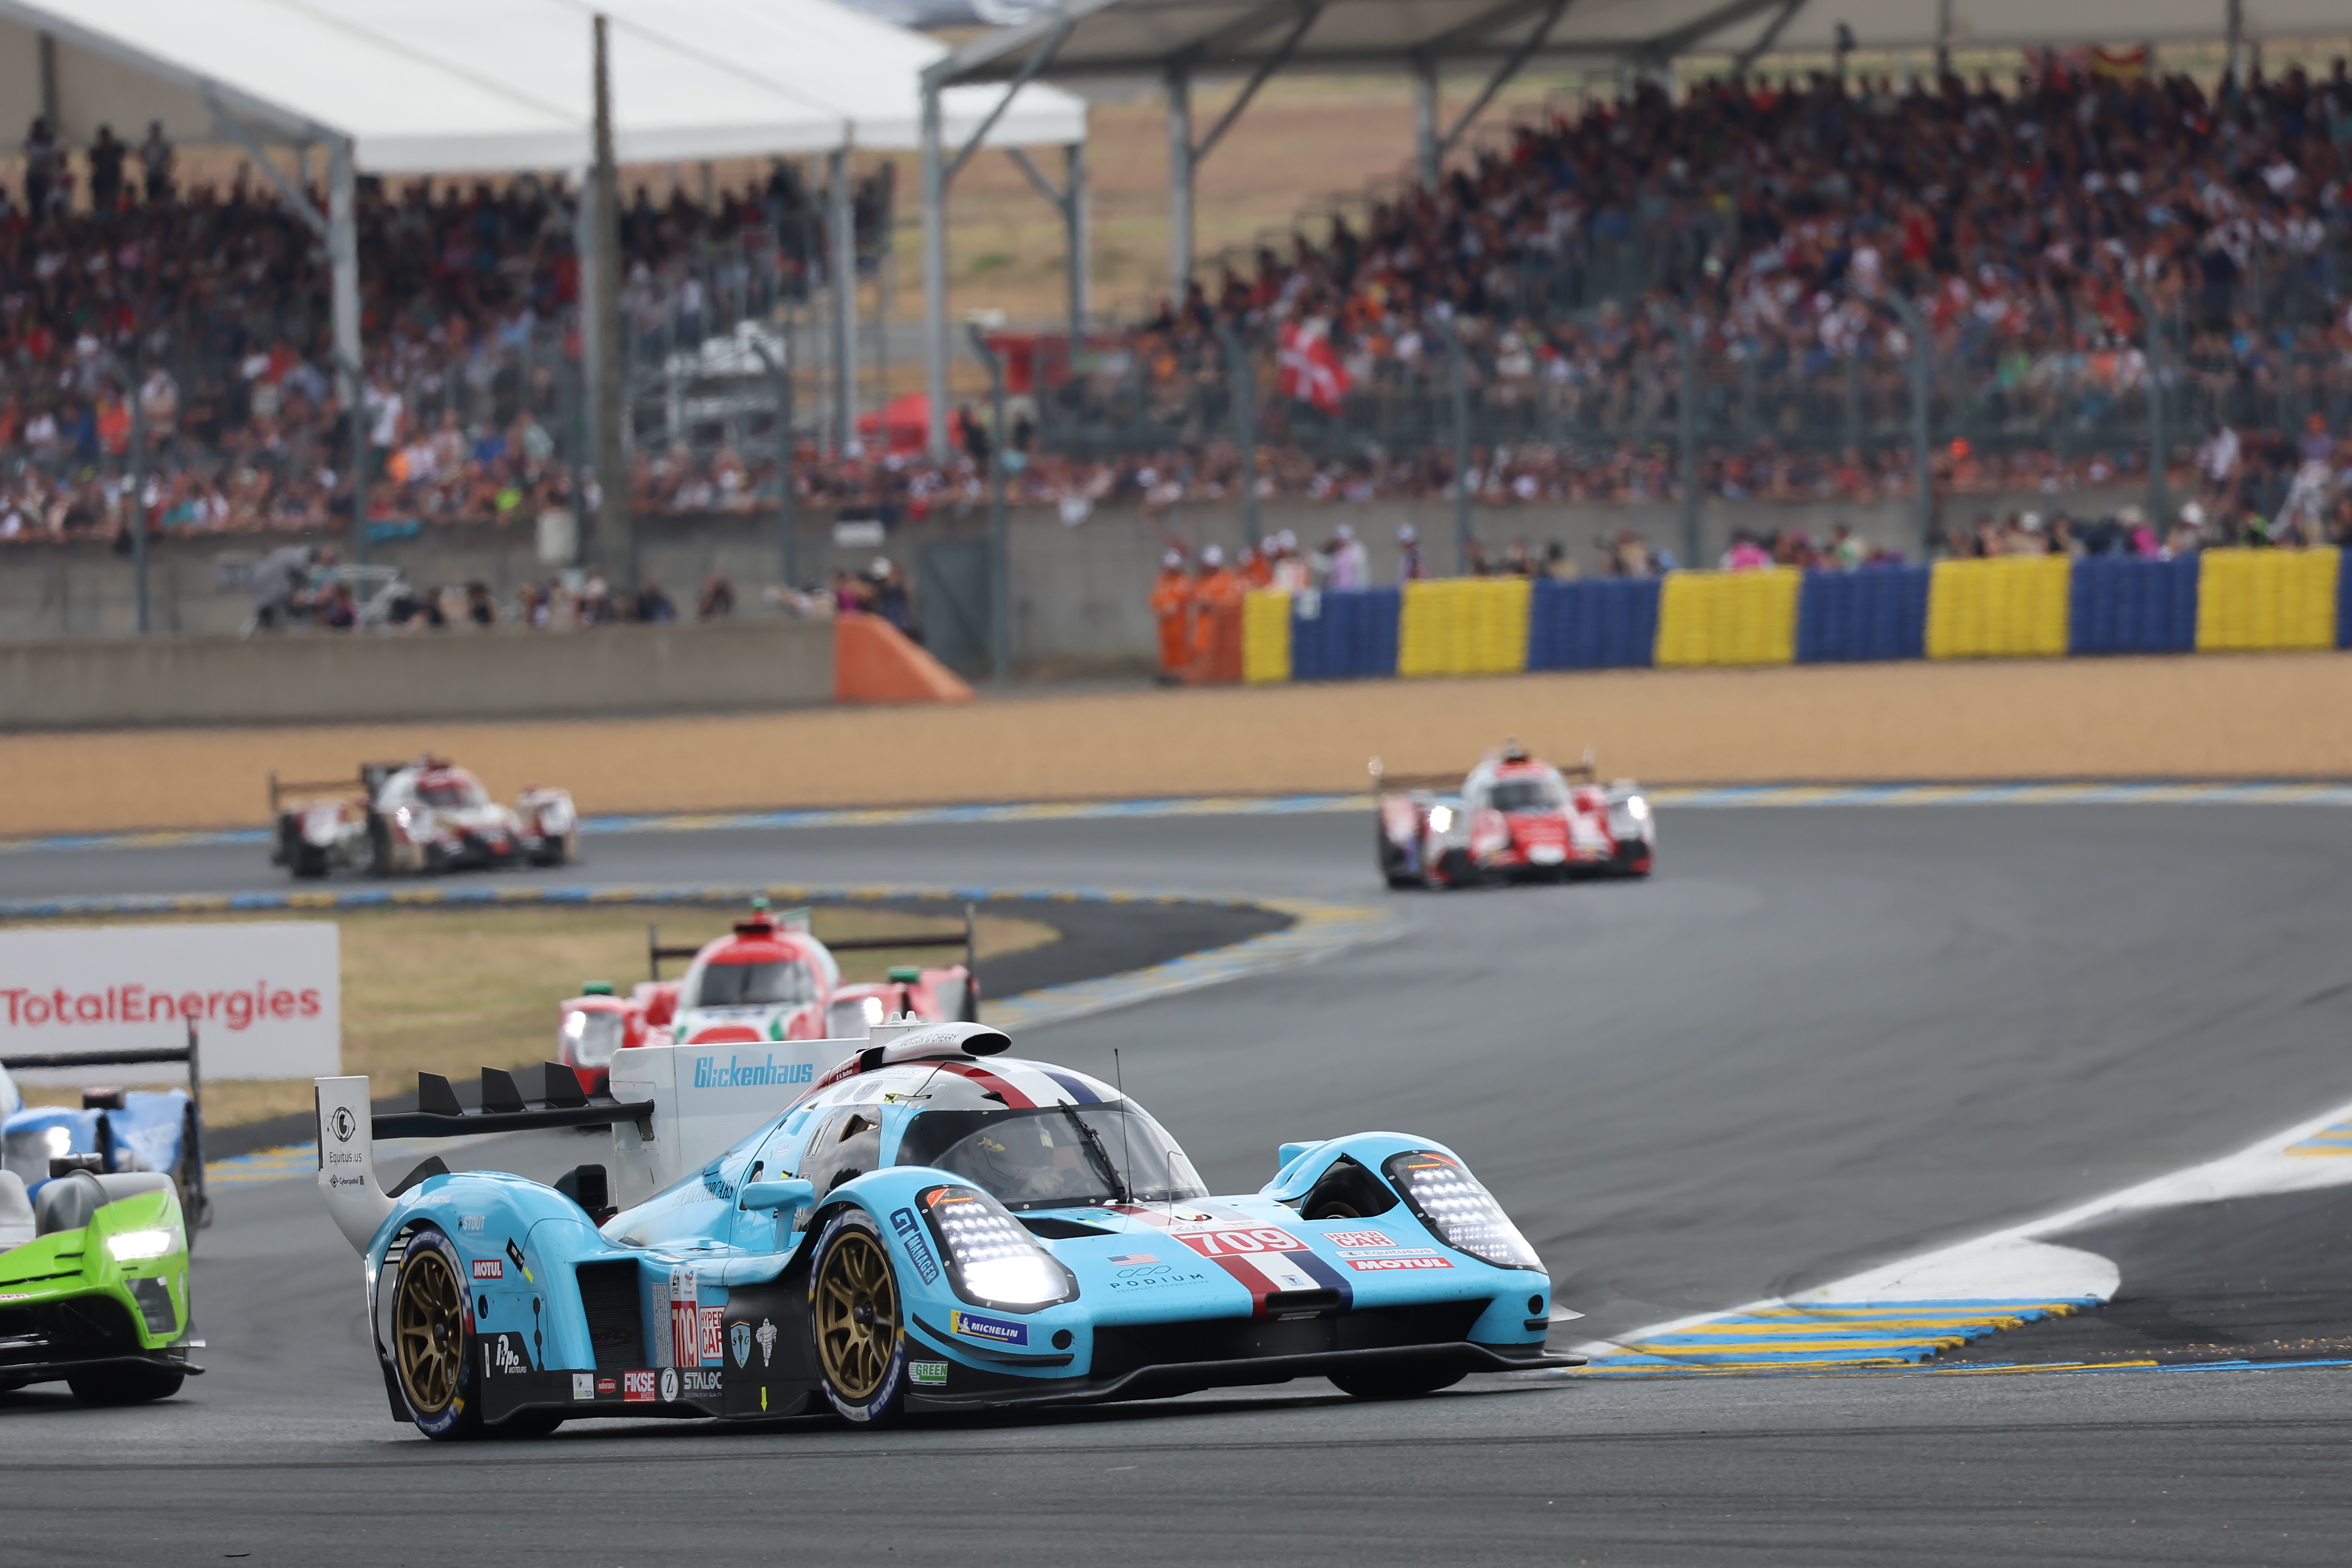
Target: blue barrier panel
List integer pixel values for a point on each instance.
(2130, 604)
(2344, 599)
(1594, 623)
(1339, 637)
(1871, 612)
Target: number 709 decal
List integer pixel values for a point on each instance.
(1222, 1243)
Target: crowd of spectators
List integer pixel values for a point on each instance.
(1787, 226)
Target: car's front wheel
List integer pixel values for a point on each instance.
(432, 1339)
(857, 1321)
(125, 1385)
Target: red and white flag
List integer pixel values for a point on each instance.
(1310, 368)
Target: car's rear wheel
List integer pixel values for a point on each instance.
(1400, 1384)
(432, 1339)
(125, 1385)
(856, 1319)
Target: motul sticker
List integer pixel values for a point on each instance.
(1228, 1243)
(1373, 1265)
(489, 1269)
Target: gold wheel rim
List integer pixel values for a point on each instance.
(856, 1313)
(428, 1328)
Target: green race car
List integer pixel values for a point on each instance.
(94, 1284)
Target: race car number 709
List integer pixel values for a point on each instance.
(1219, 1243)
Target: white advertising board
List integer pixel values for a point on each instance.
(266, 996)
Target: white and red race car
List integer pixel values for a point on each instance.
(769, 979)
(424, 815)
(1515, 819)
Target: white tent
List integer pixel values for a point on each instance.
(668, 101)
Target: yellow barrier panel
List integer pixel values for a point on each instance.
(1464, 626)
(1265, 637)
(1728, 618)
(2010, 606)
(2266, 599)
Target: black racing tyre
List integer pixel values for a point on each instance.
(1403, 1382)
(188, 1176)
(125, 1385)
(310, 862)
(433, 1339)
(379, 834)
(857, 1322)
(1459, 870)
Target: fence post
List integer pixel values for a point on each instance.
(1461, 390)
(1923, 473)
(1000, 577)
(1242, 383)
(1686, 433)
(2159, 504)
(787, 536)
(129, 377)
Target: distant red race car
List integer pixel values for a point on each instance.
(1515, 819)
(770, 979)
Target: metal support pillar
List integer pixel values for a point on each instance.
(1241, 381)
(1179, 183)
(842, 265)
(1687, 428)
(343, 259)
(2159, 501)
(1077, 227)
(616, 544)
(2234, 72)
(1428, 156)
(1000, 571)
(127, 378)
(935, 271)
(1923, 373)
(787, 544)
(1458, 379)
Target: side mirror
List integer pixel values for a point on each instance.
(789, 1193)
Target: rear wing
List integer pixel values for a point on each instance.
(655, 953)
(671, 1109)
(1387, 782)
(368, 780)
(202, 1208)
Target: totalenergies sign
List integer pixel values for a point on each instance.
(266, 996)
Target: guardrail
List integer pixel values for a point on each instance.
(2216, 601)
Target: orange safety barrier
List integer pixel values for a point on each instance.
(873, 661)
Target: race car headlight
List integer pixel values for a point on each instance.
(138, 1245)
(1462, 1214)
(28, 1151)
(873, 1010)
(1441, 817)
(592, 1037)
(1637, 809)
(990, 1261)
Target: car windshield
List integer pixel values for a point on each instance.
(1054, 1156)
(755, 984)
(1523, 794)
(450, 792)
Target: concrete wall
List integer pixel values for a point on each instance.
(111, 683)
(1078, 593)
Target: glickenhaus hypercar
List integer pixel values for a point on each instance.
(424, 815)
(770, 979)
(94, 1242)
(1512, 819)
(928, 1225)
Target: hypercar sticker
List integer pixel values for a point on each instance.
(1347, 1238)
(711, 1348)
(996, 1330)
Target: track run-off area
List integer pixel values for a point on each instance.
(2065, 1057)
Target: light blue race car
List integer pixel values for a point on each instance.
(930, 1225)
(115, 1131)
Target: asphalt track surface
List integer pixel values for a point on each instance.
(1817, 1039)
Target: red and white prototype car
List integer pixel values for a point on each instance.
(769, 979)
(1512, 819)
(424, 815)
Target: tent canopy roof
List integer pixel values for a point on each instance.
(1125, 37)
(862, 69)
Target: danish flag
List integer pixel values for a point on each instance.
(1310, 368)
